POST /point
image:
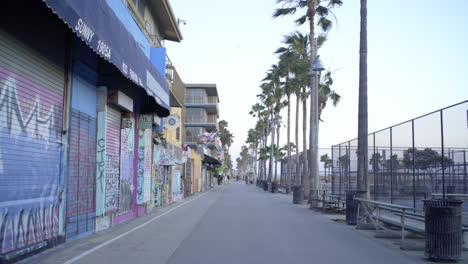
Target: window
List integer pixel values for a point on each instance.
(140, 6)
(148, 27)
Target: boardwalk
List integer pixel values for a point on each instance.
(236, 223)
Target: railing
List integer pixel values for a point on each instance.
(200, 120)
(201, 100)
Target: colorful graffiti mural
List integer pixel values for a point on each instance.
(112, 168)
(31, 183)
(127, 143)
(144, 163)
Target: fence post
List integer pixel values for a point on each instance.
(333, 172)
(348, 154)
(464, 171)
(442, 154)
(374, 166)
(340, 169)
(414, 163)
(391, 165)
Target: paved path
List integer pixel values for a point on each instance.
(236, 223)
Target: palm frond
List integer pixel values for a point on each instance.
(284, 11)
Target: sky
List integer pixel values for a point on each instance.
(417, 59)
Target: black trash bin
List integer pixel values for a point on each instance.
(274, 187)
(351, 208)
(443, 220)
(298, 194)
(265, 185)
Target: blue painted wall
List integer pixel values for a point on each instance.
(158, 58)
(122, 12)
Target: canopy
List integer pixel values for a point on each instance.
(99, 27)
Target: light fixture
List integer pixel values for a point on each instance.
(318, 66)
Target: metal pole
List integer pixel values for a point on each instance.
(348, 155)
(443, 157)
(340, 169)
(414, 163)
(374, 166)
(333, 172)
(391, 165)
(464, 172)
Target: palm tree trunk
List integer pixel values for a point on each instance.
(288, 165)
(277, 146)
(305, 175)
(298, 165)
(362, 115)
(313, 136)
(270, 165)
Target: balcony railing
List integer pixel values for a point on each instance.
(202, 100)
(200, 120)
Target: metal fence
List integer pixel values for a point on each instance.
(325, 169)
(425, 157)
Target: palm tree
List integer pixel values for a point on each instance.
(327, 163)
(325, 93)
(321, 8)
(295, 56)
(253, 139)
(258, 110)
(362, 182)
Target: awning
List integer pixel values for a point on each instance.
(210, 160)
(98, 26)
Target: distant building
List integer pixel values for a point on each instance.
(201, 122)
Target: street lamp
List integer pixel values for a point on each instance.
(315, 72)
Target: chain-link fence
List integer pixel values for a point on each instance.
(423, 158)
(296, 169)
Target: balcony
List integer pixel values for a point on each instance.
(176, 85)
(209, 122)
(210, 103)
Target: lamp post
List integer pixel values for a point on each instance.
(315, 73)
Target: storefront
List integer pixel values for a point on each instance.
(33, 80)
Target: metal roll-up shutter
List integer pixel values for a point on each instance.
(114, 117)
(31, 111)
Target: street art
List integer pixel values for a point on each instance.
(31, 185)
(112, 168)
(112, 182)
(101, 164)
(176, 183)
(147, 161)
(144, 166)
(127, 144)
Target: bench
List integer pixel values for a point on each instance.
(327, 200)
(369, 207)
(403, 212)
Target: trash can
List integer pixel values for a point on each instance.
(351, 208)
(443, 221)
(265, 186)
(298, 194)
(274, 187)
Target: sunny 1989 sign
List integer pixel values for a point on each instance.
(87, 34)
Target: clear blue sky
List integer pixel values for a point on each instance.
(418, 58)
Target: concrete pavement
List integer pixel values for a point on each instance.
(236, 223)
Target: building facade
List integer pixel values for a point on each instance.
(83, 94)
(201, 125)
